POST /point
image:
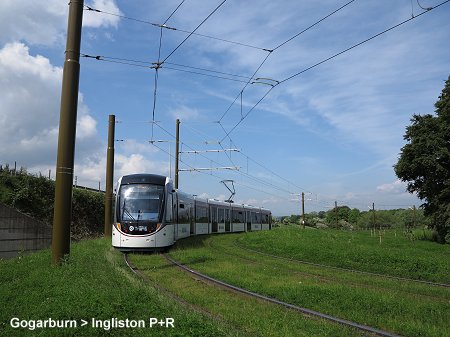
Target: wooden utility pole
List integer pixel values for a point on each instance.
(66, 138)
(109, 176)
(177, 151)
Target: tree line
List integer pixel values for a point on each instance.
(344, 217)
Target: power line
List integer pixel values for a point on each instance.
(274, 83)
(158, 65)
(239, 171)
(203, 74)
(173, 12)
(218, 177)
(154, 65)
(254, 161)
(314, 24)
(328, 59)
(245, 86)
(362, 42)
(196, 28)
(158, 25)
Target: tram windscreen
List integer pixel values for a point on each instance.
(140, 202)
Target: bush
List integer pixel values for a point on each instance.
(35, 195)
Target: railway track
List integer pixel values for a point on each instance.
(364, 328)
(180, 300)
(436, 284)
(235, 252)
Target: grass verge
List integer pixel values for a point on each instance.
(244, 314)
(396, 255)
(93, 283)
(406, 308)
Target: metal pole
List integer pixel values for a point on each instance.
(109, 176)
(66, 139)
(373, 216)
(303, 210)
(336, 211)
(177, 152)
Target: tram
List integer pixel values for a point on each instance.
(151, 215)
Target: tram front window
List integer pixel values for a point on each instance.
(140, 202)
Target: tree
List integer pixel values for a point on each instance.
(424, 162)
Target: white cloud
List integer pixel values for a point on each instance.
(137, 163)
(97, 20)
(185, 113)
(36, 22)
(45, 23)
(30, 87)
(395, 187)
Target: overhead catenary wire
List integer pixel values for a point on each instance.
(253, 160)
(196, 28)
(330, 58)
(154, 65)
(362, 42)
(343, 52)
(219, 177)
(314, 24)
(158, 65)
(275, 82)
(159, 25)
(174, 11)
(261, 181)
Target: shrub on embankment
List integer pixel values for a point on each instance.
(34, 195)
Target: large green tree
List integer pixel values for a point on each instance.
(424, 162)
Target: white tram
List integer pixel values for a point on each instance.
(150, 214)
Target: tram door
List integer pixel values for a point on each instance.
(227, 220)
(214, 223)
(249, 221)
(221, 220)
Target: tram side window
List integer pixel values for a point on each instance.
(238, 216)
(265, 219)
(201, 214)
(221, 215)
(183, 214)
(258, 217)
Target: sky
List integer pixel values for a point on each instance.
(288, 124)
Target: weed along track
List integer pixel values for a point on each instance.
(277, 264)
(244, 315)
(259, 293)
(305, 311)
(166, 291)
(437, 284)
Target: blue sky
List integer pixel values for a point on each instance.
(334, 131)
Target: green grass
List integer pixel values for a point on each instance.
(407, 308)
(396, 255)
(244, 314)
(93, 283)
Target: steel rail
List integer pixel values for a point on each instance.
(306, 311)
(436, 284)
(181, 300)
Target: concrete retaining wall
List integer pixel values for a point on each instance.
(20, 233)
